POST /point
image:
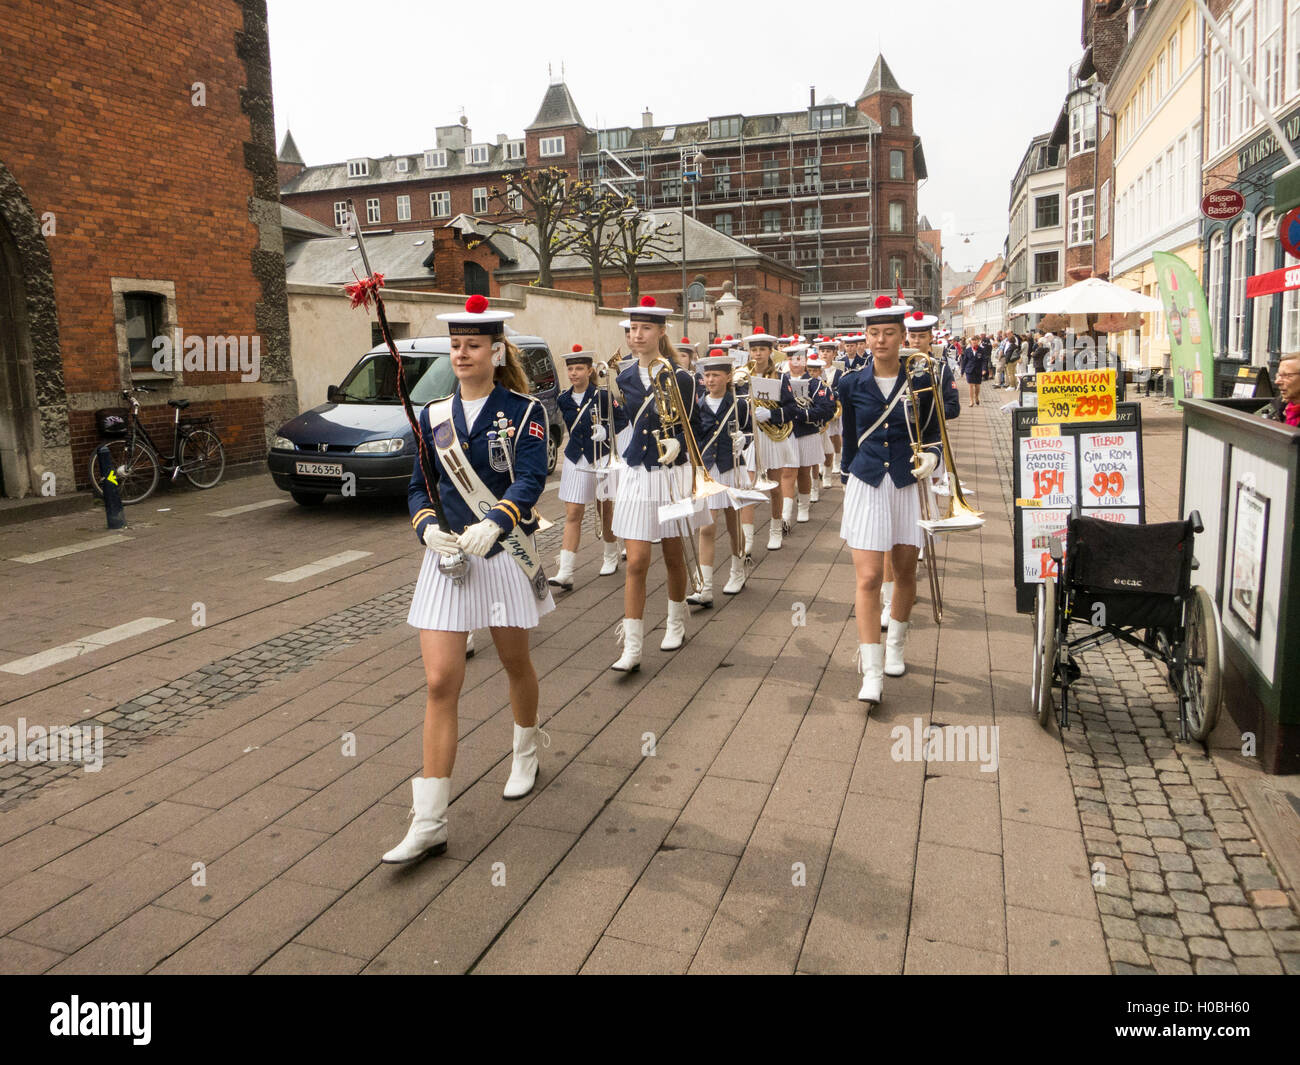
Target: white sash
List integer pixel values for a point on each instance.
(467, 482)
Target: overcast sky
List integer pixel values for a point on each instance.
(376, 78)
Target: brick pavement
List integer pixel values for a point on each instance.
(729, 808)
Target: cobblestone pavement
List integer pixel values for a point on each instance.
(1182, 885)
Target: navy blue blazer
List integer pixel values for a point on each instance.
(720, 453)
(820, 410)
(888, 451)
(515, 498)
(580, 444)
(641, 449)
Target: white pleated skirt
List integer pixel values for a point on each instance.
(732, 479)
(640, 494)
(577, 481)
(779, 454)
(877, 518)
(495, 594)
(810, 450)
(834, 427)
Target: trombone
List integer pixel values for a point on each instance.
(605, 419)
(963, 516)
(672, 415)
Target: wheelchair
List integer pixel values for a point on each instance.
(1131, 583)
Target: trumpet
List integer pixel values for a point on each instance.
(963, 516)
(673, 415)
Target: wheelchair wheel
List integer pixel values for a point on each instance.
(1202, 681)
(1043, 666)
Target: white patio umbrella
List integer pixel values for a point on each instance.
(1093, 296)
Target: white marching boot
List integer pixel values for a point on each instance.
(748, 530)
(428, 831)
(610, 563)
(826, 476)
(774, 536)
(737, 579)
(787, 513)
(894, 665)
(630, 631)
(675, 634)
(814, 490)
(886, 602)
(469, 646)
(804, 503)
(704, 597)
(523, 770)
(564, 575)
(871, 658)
(835, 466)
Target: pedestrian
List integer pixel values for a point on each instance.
(1000, 362)
(814, 407)
(658, 472)
(493, 434)
(1013, 357)
(972, 368)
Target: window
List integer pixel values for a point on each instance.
(1220, 109)
(402, 164)
(435, 159)
(771, 174)
(340, 213)
(670, 184)
(827, 118)
(896, 217)
(372, 210)
(1174, 58)
(812, 217)
(1293, 40)
(1158, 183)
(1083, 129)
(1237, 291)
(772, 221)
(514, 149)
(1270, 52)
(1047, 211)
(897, 267)
(478, 154)
(515, 201)
(403, 208)
(1047, 265)
(896, 165)
(722, 222)
(1265, 254)
(616, 140)
(477, 282)
(1290, 312)
(440, 205)
(1081, 218)
(812, 173)
(145, 314)
(722, 178)
(1243, 111)
(1103, 210)
(480, 200)
(550, 147)
(895, 116)
(358, 168)
(1162, 76)
(723, 128)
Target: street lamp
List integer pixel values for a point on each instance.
(693, 177)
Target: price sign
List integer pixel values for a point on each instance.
(1076, 396)
(1047, 470)
(1108, 469)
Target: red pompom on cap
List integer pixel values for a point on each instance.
(917, 316)
(648, 301)
(882, 302)
(686, 340)
(476, 304)
(577, 347)
(717, 353)
(728, 337)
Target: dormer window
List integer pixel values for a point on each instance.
(514, 149)
(435, 159)
(724, 128)
(550, 146)
(403, 165)
(614, 140)
(828, 117)
(358, 168)
(478, 154)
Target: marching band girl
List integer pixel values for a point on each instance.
(881, 503)
(648, 483)
(810, 415)
(718, 416)
(486, 452)
(781, 457)
(586, 410)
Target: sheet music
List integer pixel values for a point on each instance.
(765, 388)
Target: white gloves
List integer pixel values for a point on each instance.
(479, 538)
(444, 543)
(924, 465)
(763, 414)
(672, 449)
(598, 434)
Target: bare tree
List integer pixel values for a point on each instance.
(598, 228)
(636, 237)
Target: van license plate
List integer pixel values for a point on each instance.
(320, 469)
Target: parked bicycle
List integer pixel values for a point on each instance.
(196, 452)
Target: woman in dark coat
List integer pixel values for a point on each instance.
(972, 368)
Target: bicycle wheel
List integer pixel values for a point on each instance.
(137, 472)
(203, 459)
(1203, 664)
(1044, 664)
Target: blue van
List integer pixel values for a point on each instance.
(362, 429)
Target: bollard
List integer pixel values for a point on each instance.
(108, 485)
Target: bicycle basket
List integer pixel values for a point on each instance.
(111, 421)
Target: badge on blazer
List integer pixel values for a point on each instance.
(443, 434)
(499, 445)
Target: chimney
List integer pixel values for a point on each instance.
(647, 119)
(812, 95)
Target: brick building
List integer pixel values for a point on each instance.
(828, 190)
(106, 244)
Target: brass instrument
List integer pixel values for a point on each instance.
(772, 432)
(740, 378)
(672, 415)
(613, 461)
(963, 516)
